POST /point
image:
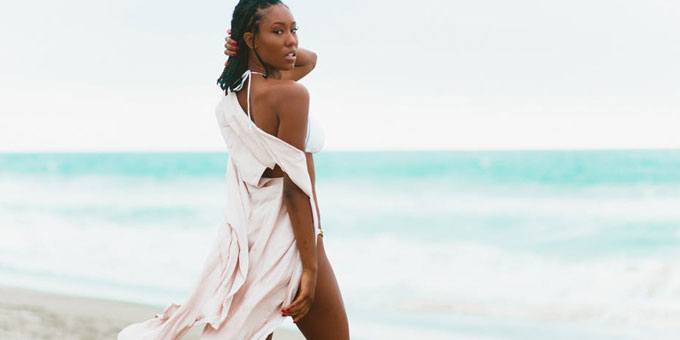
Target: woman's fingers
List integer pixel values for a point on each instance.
(227, 47)
(230, 48)
(230, 43)
(298, 313)
(293, 306)
(298, 308)
(303, 298)
(299, 316)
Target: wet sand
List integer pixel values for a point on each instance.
(28, 314)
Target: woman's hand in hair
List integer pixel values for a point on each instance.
(230, 47)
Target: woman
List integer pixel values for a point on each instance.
(268, 261)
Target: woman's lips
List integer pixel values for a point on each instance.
(290, 57)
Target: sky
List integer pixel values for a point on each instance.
(139, 75)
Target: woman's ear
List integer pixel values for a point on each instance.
(248, 38)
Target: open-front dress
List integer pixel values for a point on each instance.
(253, 267)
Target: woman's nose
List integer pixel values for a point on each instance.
(291, 39)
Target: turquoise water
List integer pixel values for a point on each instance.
(560, 168)
(476, 245)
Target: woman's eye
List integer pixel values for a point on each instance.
(294, 30)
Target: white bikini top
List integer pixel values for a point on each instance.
(314, 141)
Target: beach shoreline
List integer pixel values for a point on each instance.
(32, 314)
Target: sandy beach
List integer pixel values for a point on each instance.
(28, 314)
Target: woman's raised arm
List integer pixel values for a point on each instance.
(305, 62)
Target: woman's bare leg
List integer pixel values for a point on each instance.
(326, 319)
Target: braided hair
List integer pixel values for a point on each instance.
(246, 18)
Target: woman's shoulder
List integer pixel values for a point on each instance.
(288, 95)
(283, 90)
(290, 101)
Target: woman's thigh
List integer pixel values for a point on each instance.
(326, 319)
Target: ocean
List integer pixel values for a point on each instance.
(424, 244)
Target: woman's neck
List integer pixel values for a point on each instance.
(273, 73)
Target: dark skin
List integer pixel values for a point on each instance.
(305, 60)
(279, 106)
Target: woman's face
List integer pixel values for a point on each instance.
(276, 42)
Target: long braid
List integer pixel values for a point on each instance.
(246, 18)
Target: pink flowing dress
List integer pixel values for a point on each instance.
(253, 268)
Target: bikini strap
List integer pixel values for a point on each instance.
(247, 75)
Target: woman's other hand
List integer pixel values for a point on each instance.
(303, 300)
(230, 48)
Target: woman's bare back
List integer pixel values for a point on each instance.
(262, 109)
